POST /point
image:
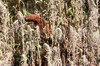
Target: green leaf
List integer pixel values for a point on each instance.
(70, 11)
(26, 13)
(39, 46)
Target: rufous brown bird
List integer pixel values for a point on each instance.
(39, 21)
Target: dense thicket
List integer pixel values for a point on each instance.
(75, 33)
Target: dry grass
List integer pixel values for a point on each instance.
(75, 40)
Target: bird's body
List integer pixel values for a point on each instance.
(34, 18)
(38, 21)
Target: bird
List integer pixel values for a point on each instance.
(39, 22)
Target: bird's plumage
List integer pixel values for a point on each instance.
(39, 21)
